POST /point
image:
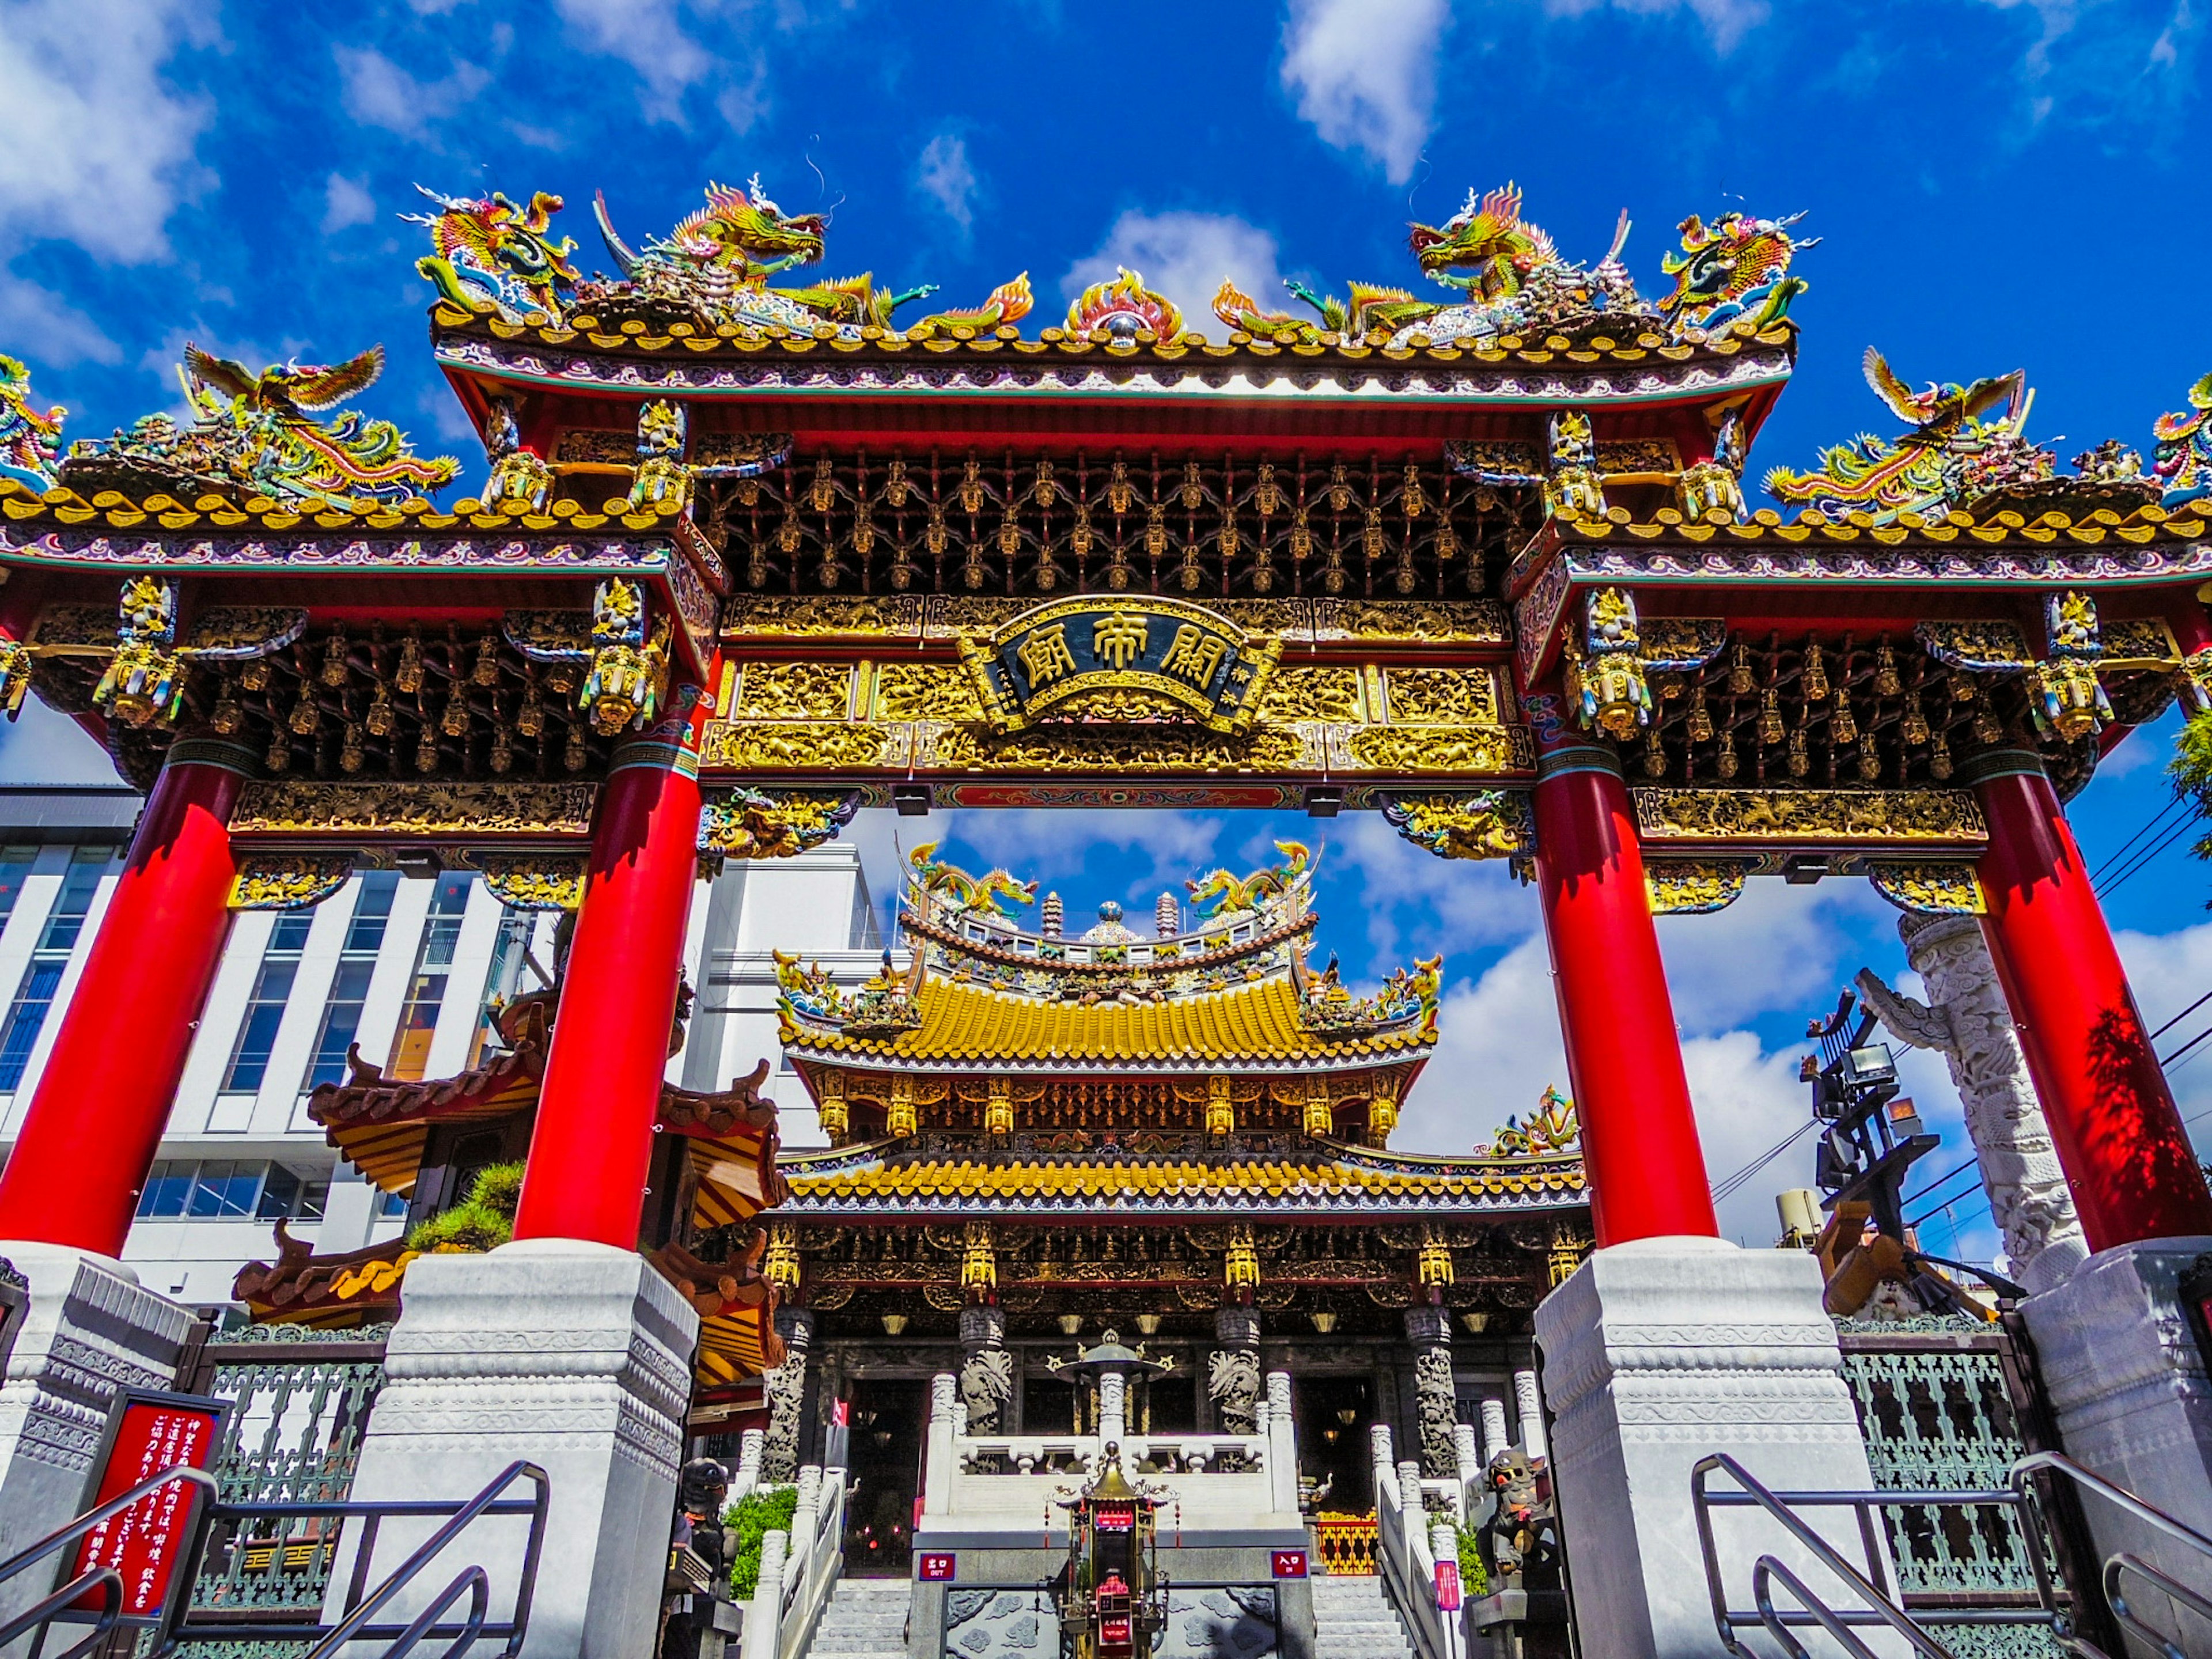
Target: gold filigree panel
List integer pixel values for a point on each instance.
(1810, 815)
(770, 746)
(1422, 750)
(925, 691)
(795, 691)
(429, 810)
(1331, 695)
(288, 883)
(1443, 697)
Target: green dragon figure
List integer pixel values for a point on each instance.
(962, 891)
(28, 440)
(257, 432)
(1220, 894)
(491, 251)
(716, 262)
(1921, 469)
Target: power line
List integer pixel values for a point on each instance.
(2148, 824)
(1734, 1184)
(2183, 1015)
(2148, 856)
(2169, 1059)
(1944, 1179)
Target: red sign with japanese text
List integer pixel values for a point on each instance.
(932, 1568)
(1290, 1564)
(1448, 1587)
(145, 1542)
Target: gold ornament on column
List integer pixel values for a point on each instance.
(978, 1261)
(836, 1122)
(1220, 1110)
(1433, 1265)
(1320, 1117)
(781, 1267)
(1568, 1248)
(998, 1107)
(1382, 1111)
(901, 1120)
(1240, 1267)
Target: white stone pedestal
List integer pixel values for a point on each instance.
(1656, 1354)
(90, 1331)
(576, 1357)
(2126, 1381)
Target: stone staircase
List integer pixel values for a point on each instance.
(1354, 1619)
(865, 1620)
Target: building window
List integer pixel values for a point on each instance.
(265, 1007)
(364, 938)
(16, 863)
(426, 987)
(225, 1189)
(42, 978)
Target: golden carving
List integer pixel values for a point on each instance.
(836, 1122)
(1568, 1248)
(899, 1117)
(2139, 642)
(795, 691)
(822, 613)
(781, 1267)
(415, 809)
(1693, 889)
(1220, 1108)
(1490, 824)
(1443, 697)
(1427, 622)
(534, 884)
(979, 1263)
(1432, 1261)
(1804, 815)
(1320, 1108)
(746, 745)
(289, 883)
(1313, 694)
(998, 1107)
(925, 691)
(1158, 748)
(1942, 890)
(1240, 1263)
(759, 824)
(1418, 750)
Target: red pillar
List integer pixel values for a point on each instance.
(593, 1145)
(1647, 1170)
(104, 1098)
(2113, 1117)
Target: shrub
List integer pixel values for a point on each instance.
(763, 1510)
(1474, 1576)
(483, 1221)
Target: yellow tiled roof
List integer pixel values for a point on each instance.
(1253, 1022)
(1153, 1182)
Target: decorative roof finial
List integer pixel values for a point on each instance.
(1049, 916)
(1167, 914)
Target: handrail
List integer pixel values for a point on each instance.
(99, 1577)
(403, 1575)
(2120, 1562)
(1879, 1607)
(471, 1578)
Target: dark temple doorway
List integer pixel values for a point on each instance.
(889, 1432)
(1333, 1415)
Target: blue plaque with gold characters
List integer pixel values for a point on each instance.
(1120, 659)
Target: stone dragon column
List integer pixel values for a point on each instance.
(986, 1369)
(1966, 1020)
(1428, 1332)
(1232, 1370)
(786, 1395)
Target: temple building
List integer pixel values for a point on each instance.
(1040, 1135)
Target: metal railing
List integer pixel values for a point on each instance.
(106, 1580)
(2121, 1564)
(362, 1604)
(1882, 1609)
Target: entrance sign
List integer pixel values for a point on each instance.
(1121, 659)
(146, 1542)
(1289, 1564)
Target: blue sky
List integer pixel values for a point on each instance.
(1996, 183)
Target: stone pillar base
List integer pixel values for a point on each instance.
(575, 1357)
(2128, 1388)
(1659, 1353)
(90, 1330)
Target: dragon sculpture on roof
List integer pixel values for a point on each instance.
(1219, 893)
(264, 434)
(29, 440)
(2182, 463)
(958, 891)
(1513, 278)
(490, 249)
(715, 263)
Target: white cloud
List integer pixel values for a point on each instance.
(346, 202)
(1778, 948)
(1726, 21)
(377, 93)
(742, 103)
(40, 323)
(648, 36)
(100, 145)
(2168, 972)
(1185, 256)
(947, 179)
(1365, 76)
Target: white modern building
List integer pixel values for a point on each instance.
(405, 968)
